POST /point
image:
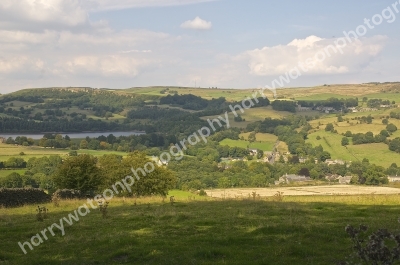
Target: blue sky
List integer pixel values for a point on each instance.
(231, 44)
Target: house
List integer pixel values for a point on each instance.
(326, 109)
(353, 109)
(302, 160)
(253, 152)
(2, 140)
(385, 106)
(334, 162)
(292, 178)
(394, 178)
(332, 177)
(345, 179)
(300, 108)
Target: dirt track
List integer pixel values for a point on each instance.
(305, 190)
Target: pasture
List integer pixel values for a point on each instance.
(198, 230)
(333, 190)
(264, 141)
(376, 153)
(5, 173)
(252, 115)
(7, 151)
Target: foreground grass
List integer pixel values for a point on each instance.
(298, 230)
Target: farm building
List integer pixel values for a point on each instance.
(292, 178)
(394, 178)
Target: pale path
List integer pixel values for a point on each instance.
(305, 190)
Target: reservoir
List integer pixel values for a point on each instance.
(75, 135)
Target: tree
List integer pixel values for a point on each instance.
(345, 141)
(304, 172)
(79, 173)
(385, 121)
(391, 128)
(394, 145)
(252, 137)
(260, 153)
(348, 134)
(384, 133)
(369, 119)
(83, 144)
(157, 180)
(223, 182)
(258, 180)
(329, 127)
(13, 180)
(324, 156)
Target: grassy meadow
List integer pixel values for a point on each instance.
(8, 150)
(252, 115)
(199, 230)
(383, 90)
(264, 141)
(5, 173)
(377, 153)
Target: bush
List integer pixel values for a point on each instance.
(381, 247)
(19, 197)
(202, 193)
(66, 194)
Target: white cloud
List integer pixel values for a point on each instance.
(55, 14)
(14, 14)
(280, 59)
(98, 5)
(196, 23)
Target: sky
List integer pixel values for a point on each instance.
(204, 43)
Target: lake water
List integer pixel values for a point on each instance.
(75, 135)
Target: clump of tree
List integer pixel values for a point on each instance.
(391, 128)
(367, 138)
(376, 103)
(89, 175)
(329, 127)
(284, 105)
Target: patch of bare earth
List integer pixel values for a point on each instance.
(305, 190)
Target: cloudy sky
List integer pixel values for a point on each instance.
(221, 43)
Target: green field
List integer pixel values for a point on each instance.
(7, 151)
(5, 173)
(229, 94)
(299, 230)
(323, 96)
(265, 146)
(299, 93)
(377, 153)
(252, 115)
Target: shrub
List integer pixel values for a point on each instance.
(41, 213)
(19, 197)
(103, 205)
(381, 247)
(202, 193)
(67, 194)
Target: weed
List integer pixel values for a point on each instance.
(55, 199)
(380, 248)
(41, 213)
(278, 196)
(103, 207)
(172, 200)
